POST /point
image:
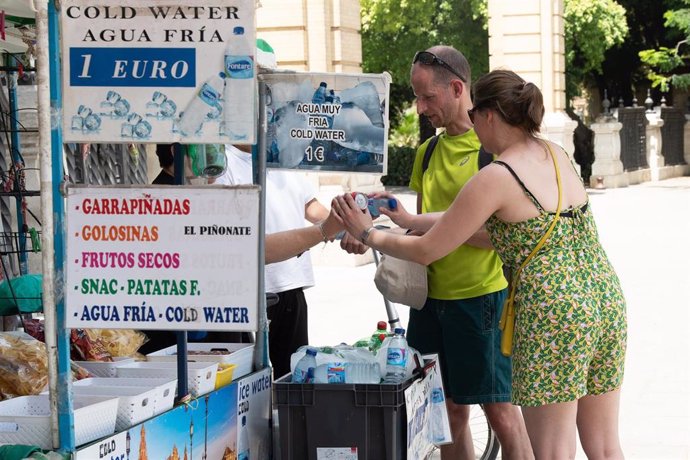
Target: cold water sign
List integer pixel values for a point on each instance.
(141, 63)
(152, 71)
(162, 258)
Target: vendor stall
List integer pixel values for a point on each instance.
(190, 258)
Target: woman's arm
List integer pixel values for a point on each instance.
(478, 200)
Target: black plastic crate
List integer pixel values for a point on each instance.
(369, 417)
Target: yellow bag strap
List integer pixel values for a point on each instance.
(508, 314)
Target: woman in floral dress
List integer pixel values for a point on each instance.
(570, 326)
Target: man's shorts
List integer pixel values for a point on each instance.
(465, 334)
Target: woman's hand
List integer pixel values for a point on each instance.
(398, 215)
(355, 220)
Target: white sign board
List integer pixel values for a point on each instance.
(159, 71)
(427, 416)
(327, 121)
(166, 257)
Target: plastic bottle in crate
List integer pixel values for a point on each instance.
(304, 370)
(348, 372)
(378, 336)
(396, 358)
(243, 441)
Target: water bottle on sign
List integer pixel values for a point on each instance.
(239, 86)
(396, 357)
(243, 441)
(305, 368)
(437, 401)
(204, 102)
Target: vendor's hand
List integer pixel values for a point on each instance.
(355, 220)
(332, 225)
(352, 245)
(399, 215)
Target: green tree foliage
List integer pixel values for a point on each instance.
(393, 30)
(591, 28)
(668, 66)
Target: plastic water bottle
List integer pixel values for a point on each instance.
(347, 372)
(243, 441)
(437, 401)
(205, 101)
(373, 204)
(305, 368)
(378, 336)
(396, 357)
(239, 86)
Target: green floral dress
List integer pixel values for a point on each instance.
(570, 326)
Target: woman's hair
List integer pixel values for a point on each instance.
(518, 102)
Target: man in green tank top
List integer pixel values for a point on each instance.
(466, 288)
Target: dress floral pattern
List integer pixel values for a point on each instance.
(570, 325)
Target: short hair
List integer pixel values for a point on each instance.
(454, 59)
(165, 154)
(518, 102)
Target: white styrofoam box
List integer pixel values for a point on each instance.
(26, 419)
(165, 388)
(201, 377)
(135, 403)
(104, 368)
(240, 354)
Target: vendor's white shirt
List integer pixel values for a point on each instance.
(286, 197)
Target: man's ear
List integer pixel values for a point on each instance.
(458, 87)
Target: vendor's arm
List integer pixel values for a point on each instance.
(466, 216)
(290, 243)
(315, 212)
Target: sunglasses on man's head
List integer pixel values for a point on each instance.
(427, 58)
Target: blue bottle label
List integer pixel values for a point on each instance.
(239, 66)
(336, 373)
(208, 94)
(396, 357)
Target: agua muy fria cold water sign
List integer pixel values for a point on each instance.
(167, 258)
(327, 122)
(159, 71)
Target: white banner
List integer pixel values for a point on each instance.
(159, 71)
(427, 415)
(171, 258)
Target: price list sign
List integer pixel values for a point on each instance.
(166, 258)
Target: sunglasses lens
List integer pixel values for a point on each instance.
(426, 58)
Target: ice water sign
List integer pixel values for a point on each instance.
(159, 71)
(162, 257)
(328, 122)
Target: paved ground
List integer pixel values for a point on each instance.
(646, 232)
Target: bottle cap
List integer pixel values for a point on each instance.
(392, 203)
(382, 325)
(400, 330)
(239, 30)
(360, 200)
(311, 351)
